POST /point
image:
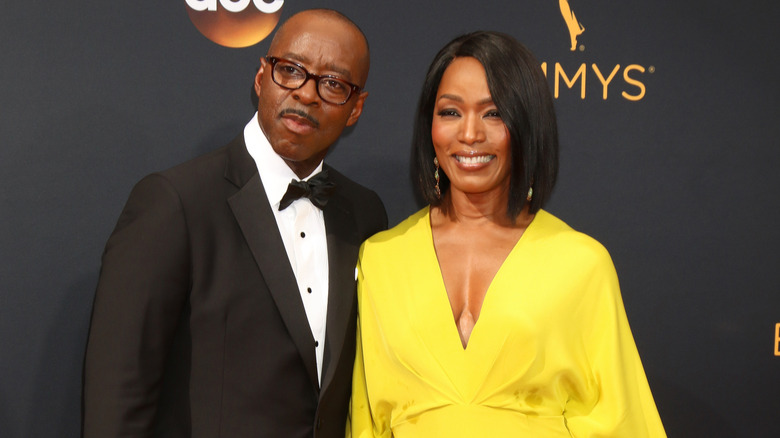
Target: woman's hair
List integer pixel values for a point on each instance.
(520, 92)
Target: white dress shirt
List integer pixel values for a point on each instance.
(302, 227)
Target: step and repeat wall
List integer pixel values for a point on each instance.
(670, 150)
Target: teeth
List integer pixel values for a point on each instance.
(474, 160)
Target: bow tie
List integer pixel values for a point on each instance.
(317, 189)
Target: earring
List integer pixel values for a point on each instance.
(530, 194)
(436, 175)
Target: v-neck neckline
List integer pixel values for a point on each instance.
(447, 305)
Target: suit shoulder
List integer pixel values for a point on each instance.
(364, 203)
(201, 175)
(348, 186)
(205, 166)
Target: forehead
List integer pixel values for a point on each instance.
(464, 75)
(323, 44)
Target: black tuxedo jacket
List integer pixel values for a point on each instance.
(198, 329)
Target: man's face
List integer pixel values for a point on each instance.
(299, 125)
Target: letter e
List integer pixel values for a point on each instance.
(777, 339)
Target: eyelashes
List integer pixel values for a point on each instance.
(449, 112)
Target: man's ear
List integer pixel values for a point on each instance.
(358, 109)
(259, 75)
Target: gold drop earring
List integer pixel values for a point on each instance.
(436, 176)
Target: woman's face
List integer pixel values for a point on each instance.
(470, 139)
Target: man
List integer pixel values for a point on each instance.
(223, 310)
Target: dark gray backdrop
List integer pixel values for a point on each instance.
(681, 186)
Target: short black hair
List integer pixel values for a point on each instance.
(521, 93)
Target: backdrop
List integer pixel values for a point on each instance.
(668, 113)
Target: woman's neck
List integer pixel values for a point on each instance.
(478, 209)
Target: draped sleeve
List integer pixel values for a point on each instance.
(621, 404)
(361, 423)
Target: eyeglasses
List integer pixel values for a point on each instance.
(292, 76)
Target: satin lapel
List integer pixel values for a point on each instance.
(256, 220)
(343, 246)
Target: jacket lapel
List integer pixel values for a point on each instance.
(258, 225)
(342, 251)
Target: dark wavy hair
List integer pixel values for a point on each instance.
(520, 92)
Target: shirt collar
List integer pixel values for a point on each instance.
(274, 171)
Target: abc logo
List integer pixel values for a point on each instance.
(235, 23)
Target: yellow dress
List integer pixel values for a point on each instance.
(551, 354)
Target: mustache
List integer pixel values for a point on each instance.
(300, 113)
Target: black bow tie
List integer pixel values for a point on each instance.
(317, 189)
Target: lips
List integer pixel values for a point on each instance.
(475, 159)
(472, 161)
(298, 121)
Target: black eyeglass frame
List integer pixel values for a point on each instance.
(353, 89)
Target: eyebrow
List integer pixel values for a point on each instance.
(342, 72)
(456, 98)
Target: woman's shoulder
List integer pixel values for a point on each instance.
(556, 235)
(410, 231)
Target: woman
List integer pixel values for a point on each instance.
(482, 314)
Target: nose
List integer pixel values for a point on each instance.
(307, 94)
(472, 129)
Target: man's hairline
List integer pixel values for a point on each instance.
(330, 14)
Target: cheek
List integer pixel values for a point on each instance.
(499, 136)
(440, 135)
(332, 121)
(506, 151)
(268, 102)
